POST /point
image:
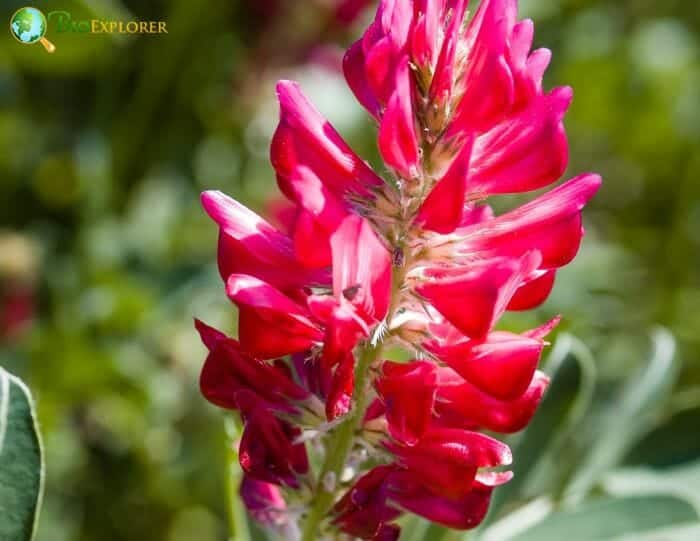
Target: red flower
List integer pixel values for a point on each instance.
(502, 364)
(461, 404)
(446, 460)
(550, 224)
(398, 141)
(318, 171)
(363, 511)
(461, 513)
(361, 269)
(524, 152)
(229, 370)
(267, 451)
(270, 323)
(264, 502)
(418, 261)
(408, 393)
(443, 209)
(486, 287)
(250, 245)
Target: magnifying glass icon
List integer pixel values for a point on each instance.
(28, 25)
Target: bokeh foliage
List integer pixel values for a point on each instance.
(105, 145)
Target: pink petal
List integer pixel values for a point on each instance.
(380, 66)
(311, 374)
(543, 330)
(361, 267)
(461, 513)
(502, 365)
(311, 241)
(228, 370)
(267, 452)
(465, 446)
(340, 393)
(533, 292)
(473, 298)
(493, 478)
(524, 152)
(363, 511)
(344, 328)
(263, 501)
(424, 41)
(519, 46)
(396, 17)
(550, 224)
(446, 460)
(443, 209)
(460, 404)
(444, 75)
(356, 77)
(313, 195)
(250, 245)
(408, 392)
(537, 64)
(398, 139)
(475, 214)
(305, 138)
(319, 213)
(282, 213)
(527, 68)
(527, 84)
(384, 44)
(270, 323)
(489, 86)
(209, 335)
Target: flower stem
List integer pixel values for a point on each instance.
(237, 520)
(340, 446)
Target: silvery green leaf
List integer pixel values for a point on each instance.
(609, 518)
(630, 418)
(21, 461)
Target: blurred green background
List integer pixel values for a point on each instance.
(105, 255)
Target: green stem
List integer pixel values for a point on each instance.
(340, 446)
(237, 519)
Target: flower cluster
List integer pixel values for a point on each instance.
(415, 260)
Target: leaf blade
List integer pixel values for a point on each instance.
(21, 461)
(631, 418)
(609, 518)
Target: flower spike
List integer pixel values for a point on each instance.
(417, 264)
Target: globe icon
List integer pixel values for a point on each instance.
(28, 25)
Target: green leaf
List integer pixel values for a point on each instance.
(518, 521)
(607, 519)
(21, 461)
(686, 532)
(681, 481)
(572, 371)
(673, 440)
(630, 418)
